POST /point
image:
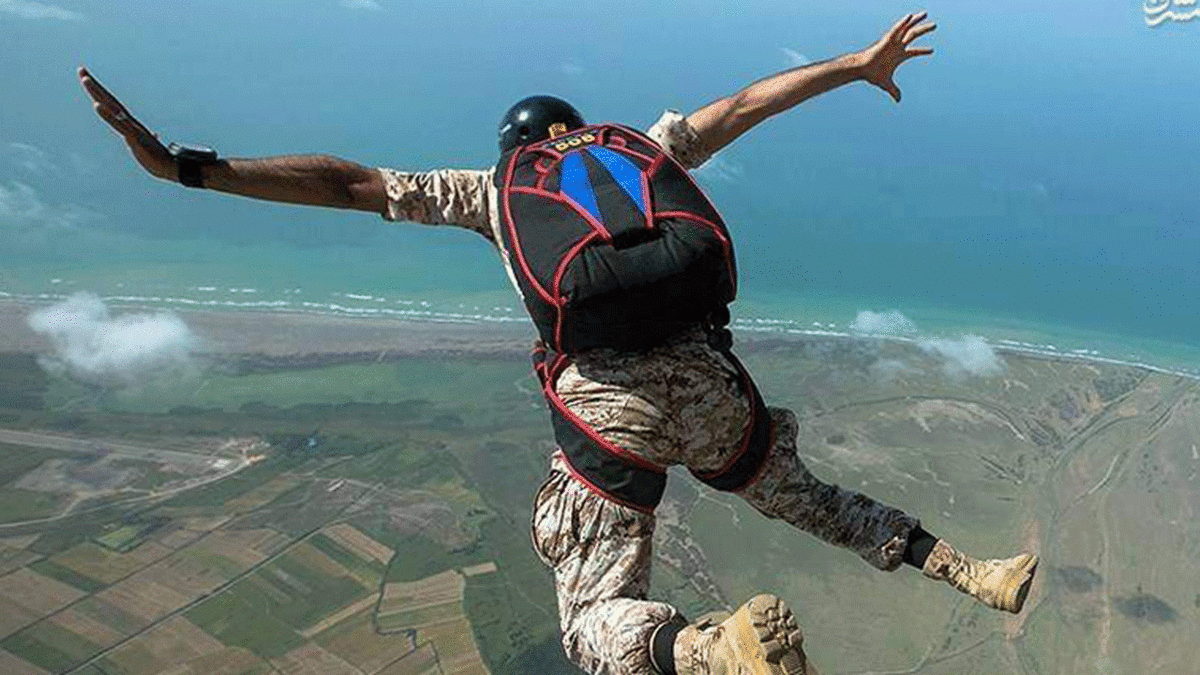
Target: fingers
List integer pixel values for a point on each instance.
(915, 31)
(97, 91)
(919, 51)
(898, 28)
(110, 109)
(908, 29)
(120, 122)
(914, 19)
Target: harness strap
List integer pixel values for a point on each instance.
(743, 466)
(605, 468)
(622, 476)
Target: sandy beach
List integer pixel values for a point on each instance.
(289, 334)
(253, 339)
(283, 335)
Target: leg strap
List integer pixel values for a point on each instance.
(616, 473)
(604, 467)
(743, 465)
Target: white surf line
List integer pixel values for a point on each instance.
(748, 324)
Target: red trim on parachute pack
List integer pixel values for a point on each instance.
(558, 198)
(725, 243)
(648, 211)
(515, 240)
(635, 481)
(656, 165)
(614, 449)
(601, 492)
(562, 300)
(589, 319)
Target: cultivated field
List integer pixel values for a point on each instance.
(384, 528)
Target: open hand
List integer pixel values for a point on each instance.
(147, 149)
(879, 61)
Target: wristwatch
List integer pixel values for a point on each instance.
(189, 159)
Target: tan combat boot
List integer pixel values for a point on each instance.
(1002, 584)
(761, 638)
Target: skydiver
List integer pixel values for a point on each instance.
(638, 374)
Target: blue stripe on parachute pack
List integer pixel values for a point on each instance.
(577, 186)
(628, 176)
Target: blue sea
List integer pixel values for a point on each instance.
(1031, 187)
(318, 282)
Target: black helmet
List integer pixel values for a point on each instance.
(529, 120)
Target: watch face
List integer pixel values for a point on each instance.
(196, 152)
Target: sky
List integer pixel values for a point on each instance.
(1042, 164)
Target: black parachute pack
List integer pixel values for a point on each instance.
(611, 241)
(613, 244)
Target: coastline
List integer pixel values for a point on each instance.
(296, 335)
(255, 339)
(277, 339)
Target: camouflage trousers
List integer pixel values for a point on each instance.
(680, 403)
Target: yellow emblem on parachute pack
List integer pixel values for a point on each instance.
(569, 142)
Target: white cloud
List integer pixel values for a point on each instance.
(717, 168)
(360, 4)
(33, 159)
(890, 322)
(19, 202)
(25, 219)
(94, 347)
(969, 354)
(27, 9)
(795, 58)
(571, 69)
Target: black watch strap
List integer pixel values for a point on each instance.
(190, 160)
(191, 172)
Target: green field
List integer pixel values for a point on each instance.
(417, 382)
(230, 618)
(17, 460)
(393, 622)
(18, 505)
(67, 576)
(439, 459)
(116, 618)
(128, 537)
(360, 567)
(48, 646)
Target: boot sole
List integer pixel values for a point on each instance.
(1017, 584)
(766, 638)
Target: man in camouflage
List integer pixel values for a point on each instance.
(676, 404)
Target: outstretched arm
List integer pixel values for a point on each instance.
(722, 121)
(317, 180)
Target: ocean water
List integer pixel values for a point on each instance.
(1042, 200)
(465, 285)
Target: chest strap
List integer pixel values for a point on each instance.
(620, 475)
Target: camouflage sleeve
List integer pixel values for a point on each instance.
(677, 137)
(439, 197)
